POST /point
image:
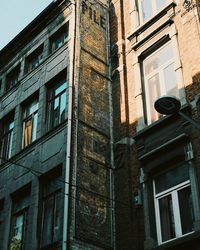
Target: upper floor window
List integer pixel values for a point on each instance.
(30, 118)
(173, 204)
(34, 59)
(149, 8)
(7, 137)
(57, 98)
(159, 78)
(60, 37)
(12, 78)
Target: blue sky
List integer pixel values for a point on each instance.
(16, 15)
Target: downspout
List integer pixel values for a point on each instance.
(69, 126)
(112, 184)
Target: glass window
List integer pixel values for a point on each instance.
(34, 60)
(59, 38)
(57, 104)
(149, 8)
(7, 138)
(173, 204)
(159, 78)
(51, 231)
(12, 78)
(30, 120)
(19, 220)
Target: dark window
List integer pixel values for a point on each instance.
(30, 123)
(7, 137)
(34, 60)
(57, 104)
(59, 38)
(19, 220)
(52, 201)
(12, 78)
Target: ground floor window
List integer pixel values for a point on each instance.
(173, 204)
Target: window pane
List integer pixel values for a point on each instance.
(57, 218)
(186, 209)
(158, 59)
(18, 228)
(47, 221)
(62, 107)
(154, 92)
(7, 140)
(27, 132)
(160, 4)
(60, 88)
(56, 112)
(146, 9)
(10, 141)
(170, 80)
(166, 218)
(171, 178)
(34, 130)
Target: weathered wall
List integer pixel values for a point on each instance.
(93, 207)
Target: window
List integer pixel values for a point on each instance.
(7, 137)
(19, 221)
(34, 60)
(59, 38)
(173, 204)
(159, 78)
(52, 200)
(57, 104)
(30, 123)
(148, 9)
(12, 78)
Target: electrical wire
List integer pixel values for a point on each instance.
(39, 173)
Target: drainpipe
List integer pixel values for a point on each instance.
(69, 125)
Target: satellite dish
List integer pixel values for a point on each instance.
(167, 105)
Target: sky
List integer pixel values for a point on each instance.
(16, 15)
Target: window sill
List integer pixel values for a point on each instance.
(178, 243)
(148, 129)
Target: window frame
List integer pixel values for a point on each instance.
(24, 213)
(153, 7)
(13, 75)
(7, 138)
(51, 97)
(35, 59)
(45, 198)
(33, 117)
(61, 34)
(173, 191)
(160, 72)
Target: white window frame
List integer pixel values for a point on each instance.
(176, 212)
(160, 72)
(154, 9)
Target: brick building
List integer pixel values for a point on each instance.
(85, 160)
(155, 51)
(56, 141)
